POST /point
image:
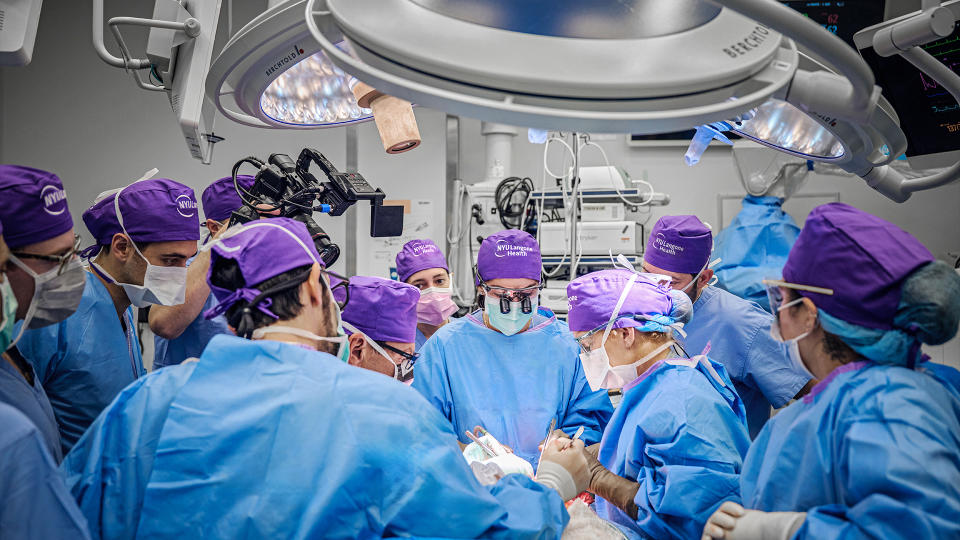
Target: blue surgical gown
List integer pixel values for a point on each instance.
(262, 439)
(872, 452)
(34, 504)
(738, 332)
(754, 247)
(510, 385)
(85, 360)
(420, 340)
(170, 352)
(682, 435)
(30, 399)
(943, 373)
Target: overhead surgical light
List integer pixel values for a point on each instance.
(273, 74)
(638, 66)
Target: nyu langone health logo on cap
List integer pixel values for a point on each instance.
(571, 302)
(509, 250)
(186, 206)
(421, 249)
(54, 200)
(671, 249)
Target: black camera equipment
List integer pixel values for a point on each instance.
(288, 189)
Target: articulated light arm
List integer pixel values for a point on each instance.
(806, 91)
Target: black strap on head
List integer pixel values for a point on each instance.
(246, 326)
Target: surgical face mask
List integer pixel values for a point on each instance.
(9, 314)
(793, 345)
(435, 306)
(56, 293)
(162, 285)
(600, 374)
(508, 323)
(403, 371)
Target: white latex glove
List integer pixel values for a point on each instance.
(733, 522)
(563, 467)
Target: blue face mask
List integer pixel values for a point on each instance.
(508, 323)
(7, 316)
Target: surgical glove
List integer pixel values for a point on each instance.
(617, 490)
(733, 522)
(564, 469)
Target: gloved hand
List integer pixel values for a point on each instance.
(617, 490)
(564, 469)
(556, 434)
(733, 522)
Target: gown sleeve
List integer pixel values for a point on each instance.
(691, 458)
(34, 504)
(898, 475)
(426, 489)
(108, 469)
(430, 377)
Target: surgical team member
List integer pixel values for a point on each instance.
(421, 264)
(182, 331)
(275, 438)
(34, 504)
(673, 451)
(144, 235)
(735, 330)
(381, 318)
(510, 368)
(873, 451)
(42, 283)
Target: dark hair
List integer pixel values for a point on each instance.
(832, 345)
(285, 304)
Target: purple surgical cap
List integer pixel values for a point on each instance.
(510, 254)
(863, 258)
(220, 199)
(593, 297)
(263, 249)
(156, 210)
(679, 244)
(33, 206)
(383, 309)
(417, 255)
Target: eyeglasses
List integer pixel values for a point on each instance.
(406, 365)
(342, 282)
(580, 340)
(524, 296)
(62, 261)
(775, 295)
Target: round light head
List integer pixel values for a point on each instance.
(628, 66)
(780, 125)
(273, 74)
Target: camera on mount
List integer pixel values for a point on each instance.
(284, 188)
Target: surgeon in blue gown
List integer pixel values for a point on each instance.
(143, 241)
(34, 504)
(754, 247)
(421, 263)
(181, 331)
(729, 329)
(275, 438)
(41, 284)
(673, 451)
(510, 368)
(873, 451)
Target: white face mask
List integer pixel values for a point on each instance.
(56, 294)
(403, 371)
(793, 345)
(600, 374)
(162, 285)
